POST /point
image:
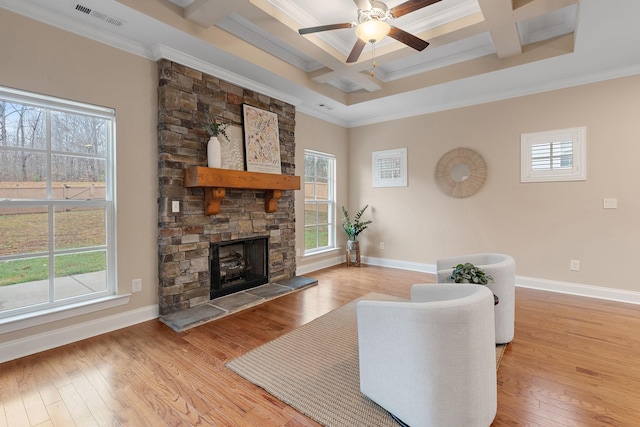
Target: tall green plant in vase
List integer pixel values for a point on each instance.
(355, 227)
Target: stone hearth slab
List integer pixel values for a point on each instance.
(220, 307)
(298, 282)
(269, 290)
(236, 301)
(181, 320)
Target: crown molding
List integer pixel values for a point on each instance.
(319, 115)
(435, 92)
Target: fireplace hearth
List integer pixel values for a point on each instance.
(238, 265)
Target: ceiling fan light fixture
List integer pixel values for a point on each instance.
(372, 31)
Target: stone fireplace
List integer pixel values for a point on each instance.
(185, 238)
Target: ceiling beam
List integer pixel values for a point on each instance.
(207, 12)
(498, 15)
(525, 10)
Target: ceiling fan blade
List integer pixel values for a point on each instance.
(363, 4)
(324, 28)
(356, 51)
(408, 39)
(410, 6)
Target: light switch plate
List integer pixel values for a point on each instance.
(611, 203)
(574, 265)
(175, 206)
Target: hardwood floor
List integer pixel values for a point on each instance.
(574, 362)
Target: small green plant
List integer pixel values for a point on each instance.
(356, 227)
(215, 129)
(469, 273)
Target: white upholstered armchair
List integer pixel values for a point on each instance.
(431, 361)
(503, 270)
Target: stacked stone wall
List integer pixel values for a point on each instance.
(186, 97)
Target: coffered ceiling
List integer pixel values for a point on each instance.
(480, 50)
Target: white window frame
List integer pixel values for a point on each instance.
(381, 161)
(331, 203)
(577, 172)
(42, 313)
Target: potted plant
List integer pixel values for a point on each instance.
(214, 152)
(215, 129)
(469, 273)
(354, 228)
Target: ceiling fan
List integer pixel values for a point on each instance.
(372, 25)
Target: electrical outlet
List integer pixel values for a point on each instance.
(175, 206)
(381, 245)
(610, 203)
(136, 285)
(574, 265)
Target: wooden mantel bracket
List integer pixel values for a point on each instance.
(216, 181)
(271, 198)
(212, 199)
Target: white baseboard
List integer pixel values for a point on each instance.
(402, 265)
(310, 266)
(578, 289)
(59, 337)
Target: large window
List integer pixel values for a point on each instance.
(56, 202)
(557, 155)
(319, 202)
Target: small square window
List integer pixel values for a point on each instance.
(557, 155)
(390, 168)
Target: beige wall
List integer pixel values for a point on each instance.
(41, 59)
(543, 225)
(318, 135)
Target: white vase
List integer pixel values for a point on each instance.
(214, 153)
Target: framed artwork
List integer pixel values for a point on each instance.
(261, 140)
(232, 149)
(389, 168)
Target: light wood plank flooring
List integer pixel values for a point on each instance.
(574, 362)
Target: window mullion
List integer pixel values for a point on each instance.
(51, 253)
(51, 207)
(49, 156)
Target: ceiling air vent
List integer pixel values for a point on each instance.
(101, 16)
(325, 106)
(84, 9)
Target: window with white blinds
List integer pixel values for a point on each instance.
(389, 168)
(557, 155)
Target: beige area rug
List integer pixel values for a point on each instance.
(314, 369)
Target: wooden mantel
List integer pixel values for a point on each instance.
(216, 181)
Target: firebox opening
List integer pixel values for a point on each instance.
(238, 265)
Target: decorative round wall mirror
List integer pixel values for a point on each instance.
(461, 172)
